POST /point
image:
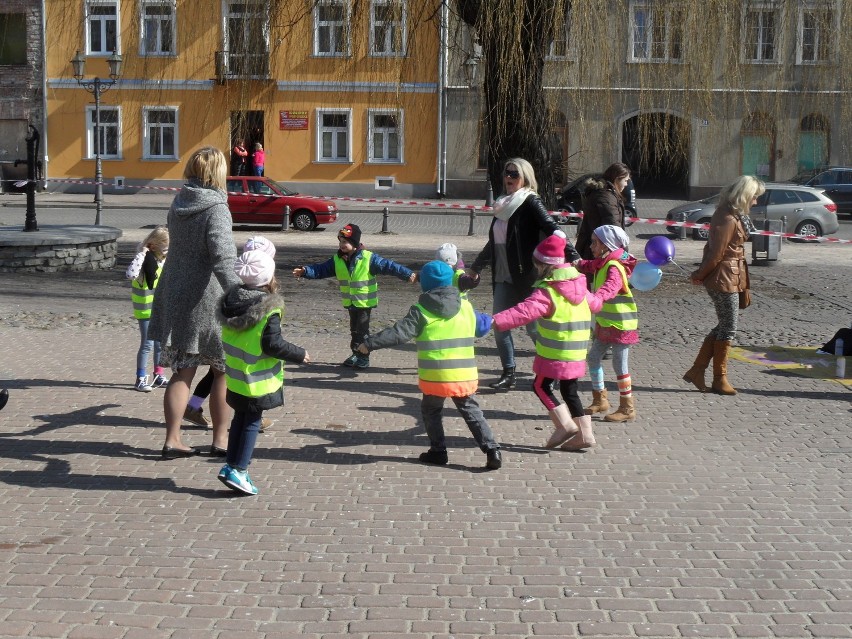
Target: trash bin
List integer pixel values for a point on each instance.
(766, 248)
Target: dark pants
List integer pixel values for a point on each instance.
(542, 387)
(359, 325)
(431, 407)
(242, 438)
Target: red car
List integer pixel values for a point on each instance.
(259, 200)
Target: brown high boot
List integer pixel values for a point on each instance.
(720, 369)
(585, 438)
(626, 411)
(695, 375)
(600, 404)
(563, 426)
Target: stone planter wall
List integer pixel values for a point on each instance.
(58, 248)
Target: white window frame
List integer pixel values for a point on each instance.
(321, 130)
(171, 46)
(393, 26)
(655, 12)
(257, 60)
(806, 7)
(372, 129)
(146, 132)
(564, 38)
(345, 51)
(764, 7)
(102, 22)
(90, 132)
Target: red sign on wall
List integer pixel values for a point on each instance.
(293, 120)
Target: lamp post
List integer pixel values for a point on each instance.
(97, 86)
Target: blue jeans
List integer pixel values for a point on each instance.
(145, 347)
(505, 297)
(242, 438)
(258, 171)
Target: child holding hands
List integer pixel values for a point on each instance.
(355, 269)
(250, 315)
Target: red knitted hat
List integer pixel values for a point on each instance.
(551, 250)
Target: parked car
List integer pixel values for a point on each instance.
(260, 200)
(571, 199)
(808, 211)
(835, 181)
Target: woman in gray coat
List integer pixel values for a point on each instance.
(200, 265)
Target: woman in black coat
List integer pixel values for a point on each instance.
(520, 222)
(603, 203)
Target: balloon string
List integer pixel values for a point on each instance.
(680, 267)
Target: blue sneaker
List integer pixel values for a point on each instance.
(159, 382)
(240, 481)
(224, 472)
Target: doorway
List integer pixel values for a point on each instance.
(656, 146)
(246, 126)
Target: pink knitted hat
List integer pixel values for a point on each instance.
(551, 250)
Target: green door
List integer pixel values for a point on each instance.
(813, 150)
(757, 159)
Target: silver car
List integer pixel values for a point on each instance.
(808, 211)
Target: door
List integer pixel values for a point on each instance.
(813, 151)
(757, 156)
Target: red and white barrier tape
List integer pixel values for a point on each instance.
(473, 207)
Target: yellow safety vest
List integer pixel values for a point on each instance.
(359, 288)
(564, 336)
(620, 312)
(143, 298)
(446, 362)
(456, 277)
(247, 370)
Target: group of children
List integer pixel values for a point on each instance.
(443, 325)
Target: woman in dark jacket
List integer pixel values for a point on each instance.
(520, 222)
(603, 203)
(724, 274)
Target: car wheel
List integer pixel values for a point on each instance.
(809, 227)
(701, 235)
(304, 221)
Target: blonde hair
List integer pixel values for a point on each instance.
(271, 286)
(258, 146)
(740, 193)
(543, 270)
(209, 166)
(158, 238)
(526, 171)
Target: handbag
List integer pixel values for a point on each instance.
(745, 299)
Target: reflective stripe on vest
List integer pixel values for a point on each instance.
(620, 312)
(248, 371)
(445, 351)
(359, 288)
(564, 336)
(143, 298)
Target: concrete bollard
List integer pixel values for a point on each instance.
(385, 213)
(681, 231)
(285, 221)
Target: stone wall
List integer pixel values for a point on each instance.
(47, 259)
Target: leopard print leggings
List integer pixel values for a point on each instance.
(727, 305)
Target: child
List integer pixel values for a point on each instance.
(356, 269)
(617, 322)
(144, 271)
(450, 254)
(250, 315)
(444, 326)
(258, 158)
(560, 304)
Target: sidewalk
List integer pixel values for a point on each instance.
(709, 516)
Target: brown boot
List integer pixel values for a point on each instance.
(720, 369)
(695, 375)
(563, 426)
(625, 413)
(599, 404)
(583, 439)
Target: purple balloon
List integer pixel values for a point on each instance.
(659, 250)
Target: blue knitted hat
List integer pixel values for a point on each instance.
(435, 274)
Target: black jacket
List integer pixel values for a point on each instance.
(242, 308)
(529, 225)
(601, 206)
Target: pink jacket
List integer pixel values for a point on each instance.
(539, 305)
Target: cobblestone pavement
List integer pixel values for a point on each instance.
(709, 516)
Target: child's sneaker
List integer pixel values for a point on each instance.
(142, 384)
(223, 474)
(362, 361)
(159, 381)
(196, 416)
(240, 481)
(350, 361)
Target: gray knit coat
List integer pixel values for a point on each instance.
(198, 268)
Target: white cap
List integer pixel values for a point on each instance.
(255, 268)
(447, 253)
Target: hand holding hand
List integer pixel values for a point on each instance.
(307, 359)
(298, 272)
(362, 348)
(413, 277)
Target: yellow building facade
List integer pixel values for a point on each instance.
(342, 95)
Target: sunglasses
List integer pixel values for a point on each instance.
(513, 174)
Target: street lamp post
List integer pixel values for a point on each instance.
(97, 87)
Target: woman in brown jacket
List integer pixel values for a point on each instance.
(724, 274)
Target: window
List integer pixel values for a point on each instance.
(387, 27)
(109, 140)
(102, 26)
(762, 20)
(247, 39)
(783, 196)
(333, 135)
(158, 27)
(384, 137)
(656, 32)
(13, 38)
(816, 26)
(160, 133)
(560, 46)
(331, 28)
